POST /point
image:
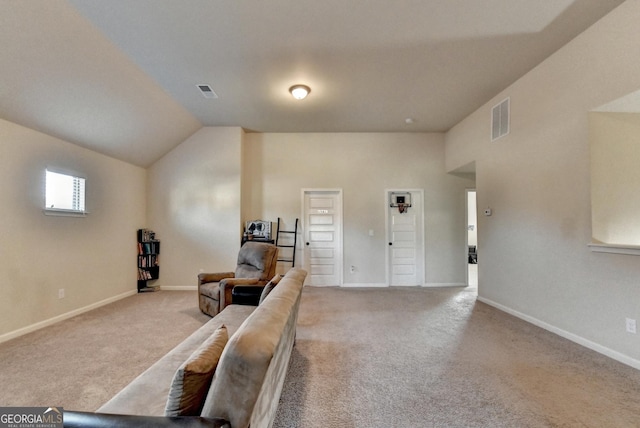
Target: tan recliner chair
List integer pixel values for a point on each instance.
(256, 266)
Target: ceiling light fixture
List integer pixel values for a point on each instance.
(300, 92)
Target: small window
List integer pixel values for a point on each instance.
(64, 194)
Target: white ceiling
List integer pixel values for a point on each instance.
(120, 76)
(629, 103)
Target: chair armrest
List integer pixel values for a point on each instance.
(203, 278)
(73, 419)
(226, 287)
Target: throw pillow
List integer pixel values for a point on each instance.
(267, 288)
(192, 379)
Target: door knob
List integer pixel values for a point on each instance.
(390, 243)
(307, 243)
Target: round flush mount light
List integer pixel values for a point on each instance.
(299, 92)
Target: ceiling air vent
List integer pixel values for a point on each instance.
(500, 120)
(207, 92)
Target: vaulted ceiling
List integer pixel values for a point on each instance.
(119, 76)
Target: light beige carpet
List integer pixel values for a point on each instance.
(404, 357)
(437, 358)
(80, 363)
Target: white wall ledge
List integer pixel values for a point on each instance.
(630, 250)
(64, 213)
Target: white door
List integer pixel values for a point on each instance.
(406, 239)
(322, 225)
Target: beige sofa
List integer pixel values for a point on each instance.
(248, 380)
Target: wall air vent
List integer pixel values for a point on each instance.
(207, 92)
(500, 120)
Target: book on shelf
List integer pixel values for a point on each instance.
(145, 235)
(144, 274)
(149, 247)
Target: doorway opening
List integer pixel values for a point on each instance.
(472, 240)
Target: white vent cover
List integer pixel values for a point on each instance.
(207, 92)
(500, 120)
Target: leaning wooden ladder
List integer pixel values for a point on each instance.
(288, 243)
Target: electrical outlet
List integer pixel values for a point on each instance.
(353, 269)
(61, 293)
(631, 325)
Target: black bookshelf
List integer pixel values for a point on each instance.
(148, 260)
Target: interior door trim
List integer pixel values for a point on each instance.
(303, 225)
(422, 251)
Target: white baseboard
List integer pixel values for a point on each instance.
(37, 326)
(625, 359)
(179, 287)
(363, 285)
(444, 284)
(426, 285)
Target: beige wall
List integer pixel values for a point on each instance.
(615, 177)
(533, 259)
(201, 193)
(278, 166)
(92, 258)
(194, 205)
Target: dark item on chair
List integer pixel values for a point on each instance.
(246, 295)
(473, 255)
(253, 295)
(256, 266)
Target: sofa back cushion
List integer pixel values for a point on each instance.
(248, 382)
(193, 378)
(269, 287)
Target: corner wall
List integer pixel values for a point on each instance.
(278, 166)
(92, 258)
(194, 203)
(534, 259)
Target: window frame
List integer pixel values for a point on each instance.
(66, 212)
